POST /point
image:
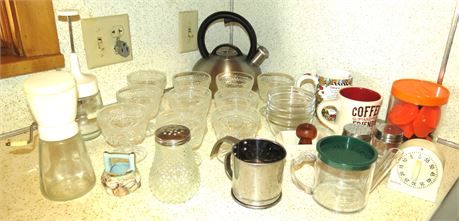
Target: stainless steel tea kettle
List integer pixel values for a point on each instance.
(228, 57)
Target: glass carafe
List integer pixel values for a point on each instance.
(65, 169)
(174, 174)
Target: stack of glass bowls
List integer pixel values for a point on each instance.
(289, 106)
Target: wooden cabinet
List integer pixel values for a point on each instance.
(29, 37)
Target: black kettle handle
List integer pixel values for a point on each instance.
(227, 17)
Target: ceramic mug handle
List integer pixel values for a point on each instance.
(307, 79)
(297, 163)
(330, 124)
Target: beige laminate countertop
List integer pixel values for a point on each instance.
(20, 197)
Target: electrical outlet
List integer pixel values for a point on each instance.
(188, 31)
(107, 40)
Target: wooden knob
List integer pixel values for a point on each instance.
(306, 132)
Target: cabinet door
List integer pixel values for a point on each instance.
(29, 37)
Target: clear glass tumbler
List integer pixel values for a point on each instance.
(236, 121)
(235, 79)
(196, 99)
(191, 78)
(123, 125)
(150, 77)
(146, 95)
(236, 96)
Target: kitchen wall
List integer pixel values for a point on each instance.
(378, 41)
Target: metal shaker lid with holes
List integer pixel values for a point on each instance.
(172, 135)
(358, 131)
(388, 133)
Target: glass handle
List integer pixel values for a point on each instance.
(227, 162)
(297, 163)
(228, 139)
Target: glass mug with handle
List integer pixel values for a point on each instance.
(343, 173)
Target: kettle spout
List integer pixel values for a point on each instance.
(260, 56)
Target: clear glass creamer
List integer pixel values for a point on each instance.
(174, 174)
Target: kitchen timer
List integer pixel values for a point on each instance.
(419, 171)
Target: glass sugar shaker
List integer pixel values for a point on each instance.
(174, 175)
(358, 131)
(386, 136)
(65, 167)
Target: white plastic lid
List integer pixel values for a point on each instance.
(52, 98)
(61, 132)
(47, 83)
(87, 85)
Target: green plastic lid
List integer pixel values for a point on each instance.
(346, 153)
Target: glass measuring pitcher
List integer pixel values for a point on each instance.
(343, 172)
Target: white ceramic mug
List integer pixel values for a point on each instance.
(327, 83)
(356, 105)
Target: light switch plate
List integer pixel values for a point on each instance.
(107, 40)
(188, 31)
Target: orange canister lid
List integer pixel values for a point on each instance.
(420, 92)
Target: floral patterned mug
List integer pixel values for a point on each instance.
(327, 83)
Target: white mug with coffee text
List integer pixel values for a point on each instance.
(356, 105)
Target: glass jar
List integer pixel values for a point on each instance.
(386, 136)
(87, 116)
(358, 131)
(415, 106)
(174, 174)
(65, 169)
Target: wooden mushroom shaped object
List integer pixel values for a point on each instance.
(306, 132)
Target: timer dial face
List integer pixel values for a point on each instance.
(417, 168)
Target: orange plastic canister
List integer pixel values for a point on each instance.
(416, 106)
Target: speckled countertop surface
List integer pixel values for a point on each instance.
(20, 197)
